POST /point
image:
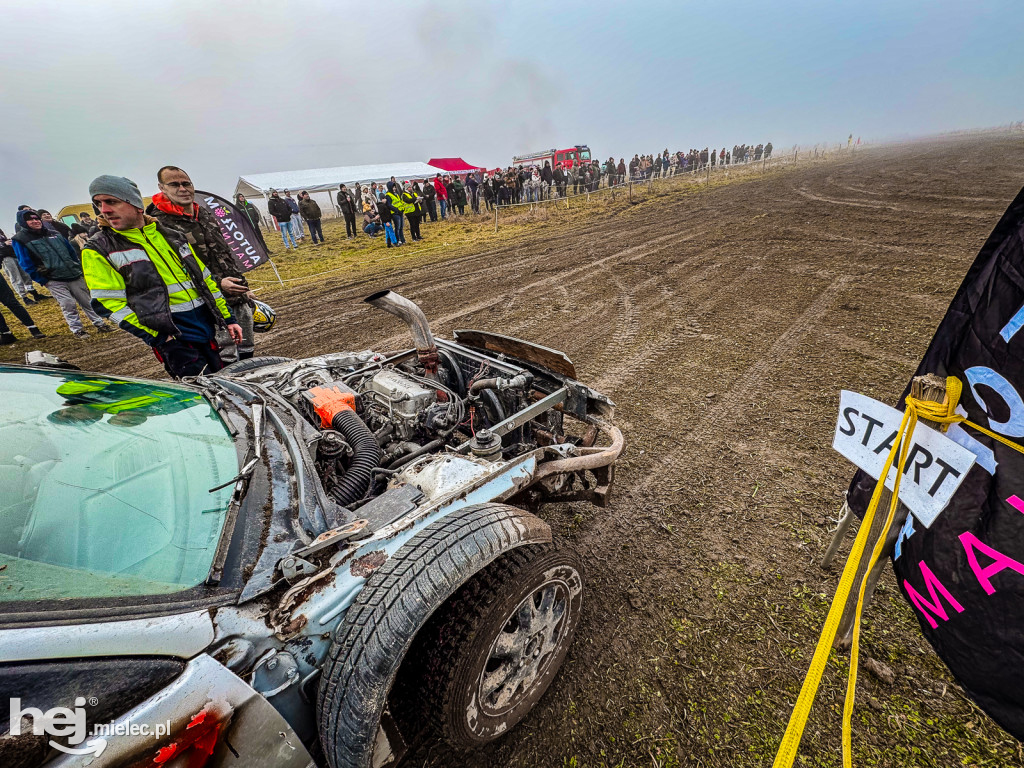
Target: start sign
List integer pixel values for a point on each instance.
(935, 466)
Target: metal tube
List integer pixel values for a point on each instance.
(592, 458)
(398, 305)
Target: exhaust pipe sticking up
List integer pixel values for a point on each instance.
(398, 305)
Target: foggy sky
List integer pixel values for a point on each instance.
(230, 88)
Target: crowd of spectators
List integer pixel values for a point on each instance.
(47, 252)
(386, 207)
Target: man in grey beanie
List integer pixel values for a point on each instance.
(146, 278)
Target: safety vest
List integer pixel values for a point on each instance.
(161, 277)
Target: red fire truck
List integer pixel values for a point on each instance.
(565, 157)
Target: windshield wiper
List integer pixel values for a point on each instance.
(257, 406)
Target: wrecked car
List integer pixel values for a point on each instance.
(321, 561)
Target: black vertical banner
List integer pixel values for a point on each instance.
(245, 241)
(964, 575)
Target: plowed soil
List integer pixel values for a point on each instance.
(724, 323)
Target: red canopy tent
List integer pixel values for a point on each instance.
(453, 165)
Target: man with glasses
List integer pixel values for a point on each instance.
(174, 206)
(147, 278)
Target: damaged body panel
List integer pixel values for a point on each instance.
(332, 474)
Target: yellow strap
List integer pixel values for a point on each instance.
(943, 413)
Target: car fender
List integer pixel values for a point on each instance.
(398, 598)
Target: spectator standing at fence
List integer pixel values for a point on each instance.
(252, 213)
(174, 206)
(487, 192)
(282, 213)
(558, 179)
(429, 200)
(497, 187)
(460, 195)
(442, 195)
(768, 149)
(411, 197)
(547, 178)
(293, 206)
(310, 211)
(348, 208)
(387, 221)
(357, 197)
(51, 260)
(472, 186)
(398, 209)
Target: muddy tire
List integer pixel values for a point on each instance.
(495, 647)
(394, 609)
(244, 366)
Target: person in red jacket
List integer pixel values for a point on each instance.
(442, 195)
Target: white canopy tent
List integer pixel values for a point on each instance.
(326, 181)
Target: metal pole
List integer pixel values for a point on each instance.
(495, 215)
(631, 190)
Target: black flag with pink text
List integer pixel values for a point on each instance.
(964, 575)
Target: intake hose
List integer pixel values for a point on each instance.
(366, 455)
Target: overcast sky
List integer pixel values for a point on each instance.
(227, 88)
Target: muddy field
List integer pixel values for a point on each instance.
(724, 323)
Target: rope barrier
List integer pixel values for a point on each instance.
(944, 414)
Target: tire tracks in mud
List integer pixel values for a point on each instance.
(580, 273)
(729, 407)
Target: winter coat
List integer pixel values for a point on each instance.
(442, 193)
(46, 255)
(280, 209)
(309, 210)
(150, 282)
(292, 205)
(411, 198)
(251, 212)
(429, 193)
(459, 193)
(346, 205)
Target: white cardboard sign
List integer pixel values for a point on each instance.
(865, 432)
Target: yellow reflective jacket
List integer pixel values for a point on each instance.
(177, 307)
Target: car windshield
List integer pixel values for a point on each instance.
(104, 486)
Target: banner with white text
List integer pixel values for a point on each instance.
(245, 240)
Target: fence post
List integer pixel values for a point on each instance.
(495, 215)
(709, 175)
(631, 190)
